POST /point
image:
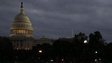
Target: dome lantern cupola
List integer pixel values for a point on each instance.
(21, 8)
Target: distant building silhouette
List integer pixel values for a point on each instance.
(44, 40)
(21, 31)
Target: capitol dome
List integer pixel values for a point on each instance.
(21, 25)
(21, 31)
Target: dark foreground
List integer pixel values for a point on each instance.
(78, 49)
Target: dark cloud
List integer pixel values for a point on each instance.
(57, 18)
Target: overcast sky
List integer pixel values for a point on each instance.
(59, 18)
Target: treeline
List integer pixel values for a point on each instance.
(78, 49)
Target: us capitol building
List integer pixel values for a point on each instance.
(21, 32)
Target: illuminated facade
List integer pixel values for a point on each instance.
(21, 31)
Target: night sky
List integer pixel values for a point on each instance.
(59, 18)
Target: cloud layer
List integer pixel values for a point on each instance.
(58, 18)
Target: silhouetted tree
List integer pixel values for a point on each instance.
(108, 53)
(62, 49)
(79, 46)
(96, 46)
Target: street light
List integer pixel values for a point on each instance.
(96, 60)
(62, 60)
(40, 51)
(85, 41)
(96, 52)
(51, 60)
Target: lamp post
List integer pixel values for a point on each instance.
(97, 59)
(84, 56)
(39, 54)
